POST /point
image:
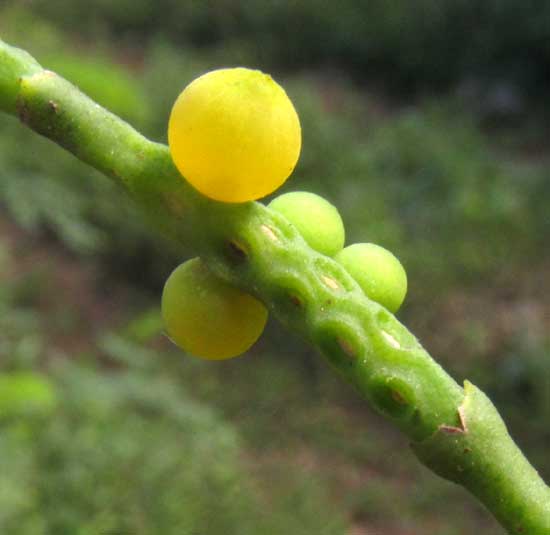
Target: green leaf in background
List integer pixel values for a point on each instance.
(25, 394)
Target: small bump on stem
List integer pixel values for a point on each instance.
(268, 231)
(393, 342)
(331, 283)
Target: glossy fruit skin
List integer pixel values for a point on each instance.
(234, 134)
(377, 271)
(206, 316)
(317, 220)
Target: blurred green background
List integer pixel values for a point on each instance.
(424, 121)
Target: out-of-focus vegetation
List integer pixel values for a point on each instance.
(112, 441)
(109, 429)
(408, 45)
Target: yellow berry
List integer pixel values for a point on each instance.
(234, 134)
(207, 317)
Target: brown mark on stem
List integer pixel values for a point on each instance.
(237, 251)
(453, 430)
(172, 203)
(346, 347)
(23, 111)
(398, 397)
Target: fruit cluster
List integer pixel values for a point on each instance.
(235, 137)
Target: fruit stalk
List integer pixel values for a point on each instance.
(456, 432)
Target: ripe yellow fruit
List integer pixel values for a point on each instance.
(207, 317)
(234, 134)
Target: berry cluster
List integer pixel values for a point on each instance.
(235, 137)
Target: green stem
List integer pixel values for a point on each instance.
(458, 433)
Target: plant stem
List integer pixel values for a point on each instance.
(457, 433)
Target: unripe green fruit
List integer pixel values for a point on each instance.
(377, 271)
(207, 317)
(317, 220)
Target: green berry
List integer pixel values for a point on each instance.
(317, 220)
(377, 271)
(207, 317)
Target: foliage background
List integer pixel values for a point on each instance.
(424, 122)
